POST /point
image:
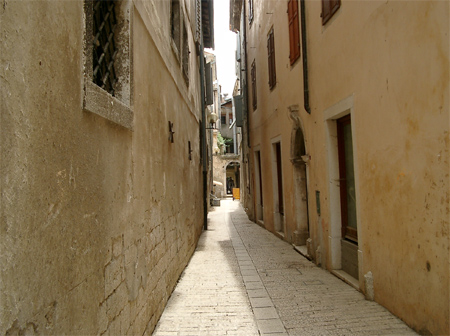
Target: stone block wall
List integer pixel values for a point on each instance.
(99, 216)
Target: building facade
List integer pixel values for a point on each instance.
(101, 157)
(348, 142)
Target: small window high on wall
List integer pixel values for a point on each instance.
(105, 50)
(175, 26)
(253, 74)
(107, 60)
(271, 59)
(329, 7)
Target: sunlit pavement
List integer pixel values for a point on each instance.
(243, 280)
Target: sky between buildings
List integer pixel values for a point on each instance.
(225, 46)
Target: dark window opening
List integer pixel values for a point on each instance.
(253, 73)
(175, 24)
(329, 7)
(347, 179)
(104, 45)
(185, 56)
(271, 59)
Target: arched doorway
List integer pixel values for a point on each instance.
(232, 177)
(300, 160)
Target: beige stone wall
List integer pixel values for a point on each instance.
(96, 225)
(387, 64)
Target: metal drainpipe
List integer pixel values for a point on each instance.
(203, 136)
(305, 58)
(244, 75)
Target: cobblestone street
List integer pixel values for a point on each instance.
(243, 280)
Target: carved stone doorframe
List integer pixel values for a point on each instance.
(300, 161)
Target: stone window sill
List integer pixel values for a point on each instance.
(98, 101)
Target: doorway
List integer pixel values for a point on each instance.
(277, 180)
(299, 161)
(346, 259)
(259, 188)
(349, 229)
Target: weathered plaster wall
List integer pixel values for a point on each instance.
(271, 117)
(397, 69)
(391, 60)
(95, 223)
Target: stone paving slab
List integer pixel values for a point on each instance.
(243, 280)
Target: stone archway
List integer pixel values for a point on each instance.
(221, 162)
(232, 176)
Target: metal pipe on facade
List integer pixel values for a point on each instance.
(244, 73)
(305, 58)
(203, 135)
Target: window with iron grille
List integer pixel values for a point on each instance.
(253, 74)
(104, 45)
(185, 55)
(108, 62)
(175, 25)
(271, 59)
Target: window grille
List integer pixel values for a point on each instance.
(253, 73)
(105, 50)
(271, 59)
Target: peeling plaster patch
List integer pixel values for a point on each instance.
(89, 215)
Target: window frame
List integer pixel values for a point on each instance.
(175, 27)
(253, 78)
(185, 53)
(329, 8)
(294, 31)
(271, 58)
(117, 108)
(250, 12)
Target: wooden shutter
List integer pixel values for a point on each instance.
(294, 31)
(329, 7)
(271, 59)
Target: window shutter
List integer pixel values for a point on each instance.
(271, 58)
(294, 31)
(329, 7)
(209, 93)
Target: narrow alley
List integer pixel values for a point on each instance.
(224, 167)
(243, 280)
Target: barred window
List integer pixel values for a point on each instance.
(104, 45)
(253, 74)
(175, 25)
(271, 59)
(108, 63)
(185, 55)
